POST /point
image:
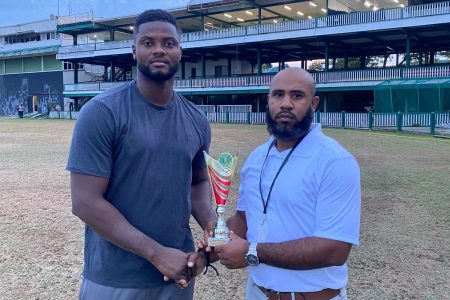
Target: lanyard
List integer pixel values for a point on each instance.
(265, 203)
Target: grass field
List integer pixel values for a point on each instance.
(405, 230)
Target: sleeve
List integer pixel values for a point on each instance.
(339, 201)
(199, 160)
(91, 151)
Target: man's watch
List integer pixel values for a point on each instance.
(252, 256)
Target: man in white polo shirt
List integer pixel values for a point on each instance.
(298, 210)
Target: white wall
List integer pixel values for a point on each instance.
(38, 26)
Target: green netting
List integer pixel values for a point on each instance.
(51, 63)
(32, 64)
(2, 67)
(13, 65)
(413, 95)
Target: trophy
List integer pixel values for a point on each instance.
(220, 173)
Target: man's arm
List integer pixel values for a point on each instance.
(238, 224)
(201, 199)
(301, 254)
(89, 205)
(304, 254)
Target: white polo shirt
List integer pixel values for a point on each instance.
(317, 193)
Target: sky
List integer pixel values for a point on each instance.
(13, 12)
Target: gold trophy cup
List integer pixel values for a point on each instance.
(220, 173)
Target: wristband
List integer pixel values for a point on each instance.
(208, 261)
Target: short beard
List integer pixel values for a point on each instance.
(288, 133)
(159, 77)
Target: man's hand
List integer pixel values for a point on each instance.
(196, 263)
(209, 232)
(171, 263)
(232, 254)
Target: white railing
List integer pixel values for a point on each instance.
(427, 9)
(357, 120)
(384, 120)
(412, 119)
(333, 119)
(358, 75)
(224, 81)
(77, 48)
(330, 119)
(443, 118)
(239, 117)
(207, 108)
(264, 80)
(234, 108)
(114, 45)
(258, 118)
(83, 87)
(443, 71)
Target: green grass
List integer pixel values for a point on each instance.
(405, 228)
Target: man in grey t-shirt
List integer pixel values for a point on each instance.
(137, 174)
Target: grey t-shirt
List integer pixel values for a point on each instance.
(148, 153)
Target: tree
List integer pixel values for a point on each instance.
(316, 66)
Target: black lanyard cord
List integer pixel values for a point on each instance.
(265, 203)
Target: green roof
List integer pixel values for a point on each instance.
(423, 82)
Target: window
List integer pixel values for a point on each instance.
(68, 65)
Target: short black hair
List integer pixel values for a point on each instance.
(153, 15)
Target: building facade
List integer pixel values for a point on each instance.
(387, 55)
(30, 74)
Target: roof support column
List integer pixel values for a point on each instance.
(408, 51)
(203, 65)
(432, 57)
(75, 72)
(346, 61)
(183, 70)
(111, 34)
(113, 71)
(257, 103)
(229, 67)
(203, 22)
(259, 15)
(258, 59)
(105, 73)
(362, 62)
(327, 66)
(75, 39)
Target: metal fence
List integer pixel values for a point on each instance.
(395, 121)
